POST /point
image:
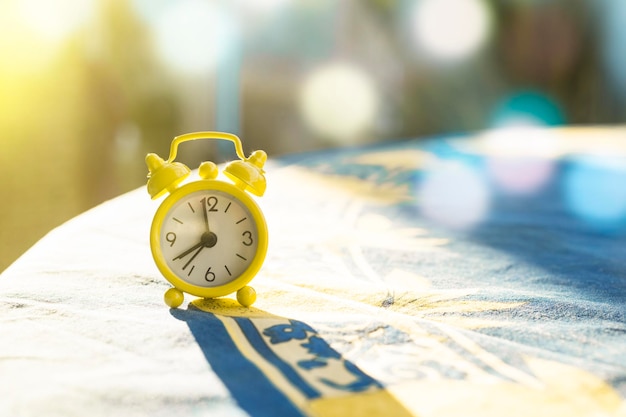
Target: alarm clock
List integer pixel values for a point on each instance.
(208, 237)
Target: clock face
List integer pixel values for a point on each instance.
(208, 238)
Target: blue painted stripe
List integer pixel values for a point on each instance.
(259, 344)
(249, 386)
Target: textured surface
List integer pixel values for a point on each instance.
(419, 278)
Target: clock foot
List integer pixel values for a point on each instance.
(173, 297)
(246, 296)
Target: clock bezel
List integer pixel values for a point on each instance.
(256, 262)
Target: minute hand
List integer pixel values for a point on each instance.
(188, 251)
(205, 207)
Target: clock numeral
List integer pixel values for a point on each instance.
(171, 238)
(209, 276)
(248, 241)
(210, 202)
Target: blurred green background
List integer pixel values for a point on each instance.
(88, 87)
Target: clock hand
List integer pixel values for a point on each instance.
(207, 240)
(194, 256)
(188, 251)
(206, 215)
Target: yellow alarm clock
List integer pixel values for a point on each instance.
(208, 237)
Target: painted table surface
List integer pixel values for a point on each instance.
(481, 275)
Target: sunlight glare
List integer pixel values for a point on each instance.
(54, 20)
(527, 108)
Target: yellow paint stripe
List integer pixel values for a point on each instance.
(368, 404)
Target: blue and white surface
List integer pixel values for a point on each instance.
(479, 275)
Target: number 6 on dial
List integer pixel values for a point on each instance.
(208, 237)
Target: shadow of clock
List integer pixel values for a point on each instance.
(276, 366)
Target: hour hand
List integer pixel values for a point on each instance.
(207, 240)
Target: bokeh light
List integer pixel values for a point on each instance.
(520, 158)
(527, 108)
(595, 191)
(339, 101)
(189, 35)
(520, 152)
(522, 176)
(450, 30)
(454, 195)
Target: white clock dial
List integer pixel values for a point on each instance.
(208, 238)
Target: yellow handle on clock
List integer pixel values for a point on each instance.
(246, 173)
(205, 135)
